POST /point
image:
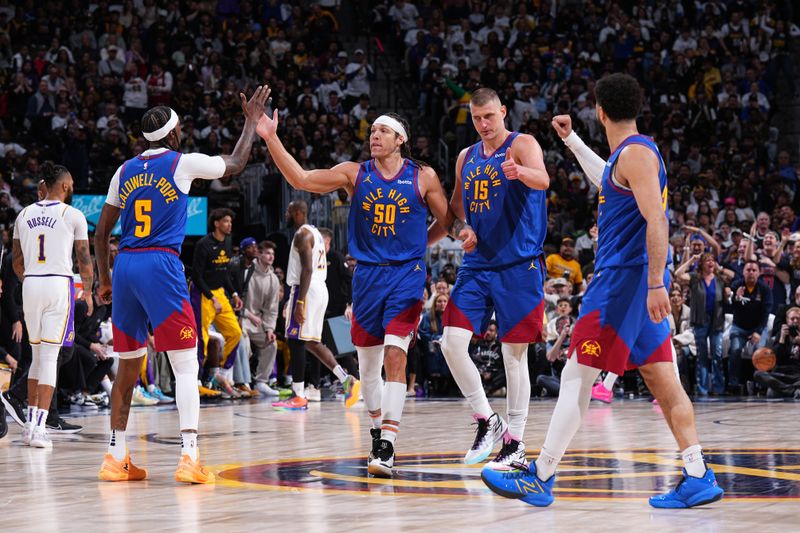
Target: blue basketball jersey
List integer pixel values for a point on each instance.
(622, 229)
(153, 209)
(387, 216)
(508, 217)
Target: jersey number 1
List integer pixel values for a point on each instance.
(41, 249)
(142, 209)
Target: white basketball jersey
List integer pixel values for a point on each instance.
(47, 231)
(319, 261)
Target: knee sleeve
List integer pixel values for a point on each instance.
(48, 364)
(33, 370)
(455, 347)
(187, 398)
(400, 342)
(370, 363)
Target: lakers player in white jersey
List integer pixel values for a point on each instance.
(44, 235)
(305, 311)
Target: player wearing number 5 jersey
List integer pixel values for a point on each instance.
(391, 195)
(149, 193)
(44, 234)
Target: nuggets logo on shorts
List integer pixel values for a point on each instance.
(187, 333)
(590, 348)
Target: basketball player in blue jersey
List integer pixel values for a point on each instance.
(622, 322)
(391, 195)
(500, 187)
(150, 194)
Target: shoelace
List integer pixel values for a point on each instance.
(508, 449)
(480, 432)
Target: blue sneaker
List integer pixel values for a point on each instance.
(522, 483)
(159, 395)
(690, 492)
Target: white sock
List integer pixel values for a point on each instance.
(116, 444)
(107, 385)
(370, 362)
(299, 389)
(573, 401)
(394, 398)
(609, 381)
(518, 387)
(693, 461)
(455, 347)
(41, 418)
(340, 373)
(189, 444)
(32, 415)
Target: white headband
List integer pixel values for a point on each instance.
(164, 130)
(393, 123)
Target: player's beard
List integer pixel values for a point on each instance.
(68, 198)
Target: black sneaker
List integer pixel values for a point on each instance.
(14, 407)
(3, 423)
(57, 424)
(381, 465)
(375, 433)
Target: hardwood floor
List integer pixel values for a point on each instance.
(305, 471)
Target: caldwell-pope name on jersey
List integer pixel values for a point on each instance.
(384, 208)
(147, 180)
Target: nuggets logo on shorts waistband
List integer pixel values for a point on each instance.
(590, 347)
(187, 333)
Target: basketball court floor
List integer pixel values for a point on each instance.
(305, 471)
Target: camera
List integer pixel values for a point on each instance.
(793, 331)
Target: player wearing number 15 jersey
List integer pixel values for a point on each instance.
(501, 185)
(149, 193)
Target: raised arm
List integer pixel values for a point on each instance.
(525, 162)
(108, 218)
(437, 231)
(639, 167)
(592, 164)
(252, 109)
(341, 176)
(437, 202)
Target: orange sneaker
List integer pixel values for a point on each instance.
(295, 403)
(205, 392)
(192, 471)
(125, 470)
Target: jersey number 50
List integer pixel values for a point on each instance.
(142, 209)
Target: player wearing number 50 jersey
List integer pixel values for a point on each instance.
(44, 234)
(149, 193)
(391, 195)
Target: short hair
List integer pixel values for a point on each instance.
(483, 96)
(564, 299)
(219, 214)
(52, 173)
(267, 245)
(619, 95)
(298, 205)
(326, 232)
(754, 262)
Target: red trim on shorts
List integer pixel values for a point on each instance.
(529, 329)
(178, 331)
(123, 342)
(406, 322)
(151, 249)
(362, 337)
(662, 354)
(454, 317)
(599, 346)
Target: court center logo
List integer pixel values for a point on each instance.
(746, 474)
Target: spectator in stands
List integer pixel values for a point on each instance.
(682, 338)
(564, 265)
(487, 355)
(784, 379)
(261, 306)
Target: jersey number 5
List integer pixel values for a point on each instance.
(142, 209)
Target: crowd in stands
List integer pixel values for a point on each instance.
(75, 80)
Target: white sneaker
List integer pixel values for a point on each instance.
(512, 452)
(313, 394)
(27, 433)
(490, 431)
(265, 389)
(382, 462)
(138, 398)
(40, 439)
